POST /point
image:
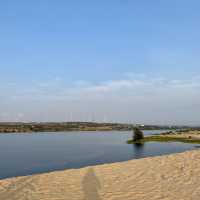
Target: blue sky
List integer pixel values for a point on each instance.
(79, 60)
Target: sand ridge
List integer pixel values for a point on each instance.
(171, 177)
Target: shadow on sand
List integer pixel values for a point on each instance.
(91, 185)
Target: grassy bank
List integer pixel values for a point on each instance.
(166, 138)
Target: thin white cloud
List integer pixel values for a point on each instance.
(131, 99)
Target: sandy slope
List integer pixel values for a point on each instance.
(173, 177)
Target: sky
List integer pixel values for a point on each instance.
(106, 61)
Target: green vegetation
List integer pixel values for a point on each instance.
(137, 134)
(162, 138)
(62, 126)
(17, 127)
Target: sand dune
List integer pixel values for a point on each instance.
(172, 177)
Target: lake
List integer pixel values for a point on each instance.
(25, 154)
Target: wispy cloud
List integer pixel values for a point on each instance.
(134, 98)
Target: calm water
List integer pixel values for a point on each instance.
(24, 154)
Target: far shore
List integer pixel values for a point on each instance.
(168, 177)
(19, 127)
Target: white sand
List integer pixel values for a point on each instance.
(173, 177)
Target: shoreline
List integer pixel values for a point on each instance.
(174, 176)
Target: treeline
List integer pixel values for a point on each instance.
(74, 126)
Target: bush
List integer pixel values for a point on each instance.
(137, 134)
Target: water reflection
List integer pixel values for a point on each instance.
(91, 185)
(138, 150)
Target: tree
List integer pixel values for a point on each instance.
(137, 134)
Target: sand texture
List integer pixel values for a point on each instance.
(172, 177)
